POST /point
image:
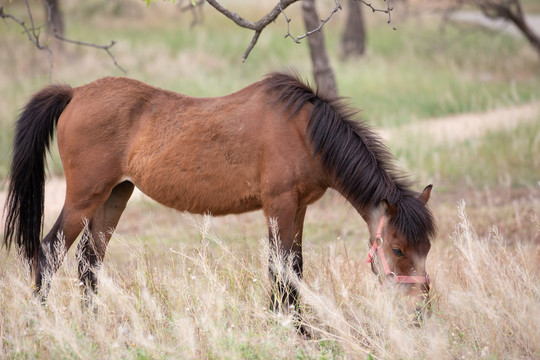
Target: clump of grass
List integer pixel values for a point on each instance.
(207, 301)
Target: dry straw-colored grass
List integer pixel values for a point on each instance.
(210, 301)
(207, 296)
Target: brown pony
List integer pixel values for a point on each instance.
(276, 145)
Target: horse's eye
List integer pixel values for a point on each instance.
(397, 252)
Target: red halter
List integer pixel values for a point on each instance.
(399, 279)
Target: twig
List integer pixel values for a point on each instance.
(33, 34)
(31, 19)
(374, 9)
(288, 24)
(388, 10)
(106, 48)
(251, 45)
(318, 28)
(30, 32)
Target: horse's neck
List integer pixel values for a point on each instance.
(371, 213)
(366, 212)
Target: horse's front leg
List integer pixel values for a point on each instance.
(284, 264)
(285, 221)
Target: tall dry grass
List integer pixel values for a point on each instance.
(206, 300)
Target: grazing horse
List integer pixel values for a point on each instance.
(276, 144)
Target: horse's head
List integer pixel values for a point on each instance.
(400, 242)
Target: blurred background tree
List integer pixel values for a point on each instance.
(55, 23)
(322, 70)
(507, 10)
(353, 40)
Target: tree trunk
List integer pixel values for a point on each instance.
(55, 23)
(353, 41)
(322, 71)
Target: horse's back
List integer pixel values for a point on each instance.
(214, 154)
(220, 155)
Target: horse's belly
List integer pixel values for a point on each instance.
(201, 189)
(204, 165)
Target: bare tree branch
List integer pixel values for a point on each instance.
(106, 48)
(318, 28)
(258, 26)
(33, 37)
(238, 20)
(33, 33)
(388, 10)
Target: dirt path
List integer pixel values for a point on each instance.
(460, 127)
(448, 129)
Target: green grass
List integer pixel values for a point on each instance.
(498, 158)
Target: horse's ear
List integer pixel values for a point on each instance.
(424, 196)
(390, 209)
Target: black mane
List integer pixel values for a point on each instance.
(354, 155)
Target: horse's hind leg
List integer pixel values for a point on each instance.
(57, 242)
(96, 236)
(81, 203)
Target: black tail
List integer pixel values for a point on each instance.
(33, 133)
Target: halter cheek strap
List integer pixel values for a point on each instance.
(399, 279)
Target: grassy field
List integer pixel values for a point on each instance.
(192, 287)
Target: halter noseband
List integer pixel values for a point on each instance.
(398, 279)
